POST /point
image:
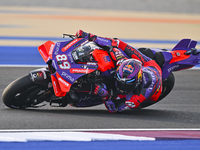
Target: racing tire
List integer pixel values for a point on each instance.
(17, 93)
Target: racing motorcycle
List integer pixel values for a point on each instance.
(73, 67)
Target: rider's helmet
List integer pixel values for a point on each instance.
(128, 76)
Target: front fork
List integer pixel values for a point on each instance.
(42, 77)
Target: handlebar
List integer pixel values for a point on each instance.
(69, 35)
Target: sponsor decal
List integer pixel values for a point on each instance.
(57, 48)
(80, 71)
(85, 71)
(55, 87)
(69, 45)
(137, 53)
(51, 49)
(172, 68)
(103, 40)
(84, 43)
(106, 58)
(36, 75)
(128, 68)
(91, 63)
(44, 56)
(63, 81)
(64, 74)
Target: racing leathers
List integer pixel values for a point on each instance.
(151, 87)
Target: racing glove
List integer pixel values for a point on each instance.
(82, 34)
(134, 102)
(117, 56)
(114, 42)
(101, 90)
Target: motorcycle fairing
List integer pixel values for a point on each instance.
(87, 100)
(185, 44)
(40, 77)
(178, 52)
(67, 71)
(104, 61)
(178, 56)
(177, 59)
(57, 90)
(46, 50)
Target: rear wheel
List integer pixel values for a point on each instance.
(23, 93)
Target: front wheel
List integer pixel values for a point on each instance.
(23, 93)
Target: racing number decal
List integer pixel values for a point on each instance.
(62, 61)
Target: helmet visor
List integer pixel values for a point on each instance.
(124, 88)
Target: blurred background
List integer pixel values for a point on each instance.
(174, 6)
(24, 25)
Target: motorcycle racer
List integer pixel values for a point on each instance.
(137, 80)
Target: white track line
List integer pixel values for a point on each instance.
(67, 136)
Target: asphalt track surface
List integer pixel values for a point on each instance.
(180, 109)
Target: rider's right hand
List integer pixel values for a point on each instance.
(101, 90)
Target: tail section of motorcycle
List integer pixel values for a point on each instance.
(183, 56)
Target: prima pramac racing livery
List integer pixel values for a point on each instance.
(75, 65)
